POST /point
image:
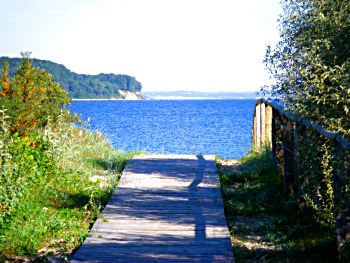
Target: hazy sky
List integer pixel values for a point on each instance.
(209, 45)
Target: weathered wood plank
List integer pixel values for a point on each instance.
(155, 250)
(124, 241)
(154, 258)
(157, 226)
(160, 234)
(258, 125)
(175, 218)
(166, 209)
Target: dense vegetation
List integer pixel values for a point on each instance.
(54, 177)
(81, 85)
(311, 63)
(264, 223)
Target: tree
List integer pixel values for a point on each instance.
(81, 85)
(30, 97)
(311, 63)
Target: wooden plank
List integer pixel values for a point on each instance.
(155, 250)
(254, 143)
(262, 123)
(158, 226)
(176, 218)
(166, 198)
(167, 208)
(160, 234)
(139, 213)
(268, 124)
(155, 258)
(258, 125)
(190, 206)
(124, 241)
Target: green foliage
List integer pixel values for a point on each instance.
(266, 225)
(30, 97)
(54, 177)
(82, 85)
(24, 163)
(59, 179)
(259, 186)
(311, 63)
(319, 189)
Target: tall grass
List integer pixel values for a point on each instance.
(259, 187)
(265, 224)
(51, 195)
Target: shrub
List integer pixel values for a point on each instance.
(24, 162)
(30, 97)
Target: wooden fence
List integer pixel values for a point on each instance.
(314, 163)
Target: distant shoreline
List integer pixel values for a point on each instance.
(94, 99)
(102, 99)
(168, 98)
(200, 98)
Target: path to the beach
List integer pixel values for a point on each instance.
(167, 208)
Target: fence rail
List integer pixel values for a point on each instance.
(314, 163)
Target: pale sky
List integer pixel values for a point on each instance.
(199, 45)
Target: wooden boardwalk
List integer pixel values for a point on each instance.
(167, 208)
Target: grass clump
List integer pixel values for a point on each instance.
(253, 187)
(265, 225)
(55, 208)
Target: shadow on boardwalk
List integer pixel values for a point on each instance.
(166, 209)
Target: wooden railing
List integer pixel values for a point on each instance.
(314, 163)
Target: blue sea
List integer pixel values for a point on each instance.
(220, 127)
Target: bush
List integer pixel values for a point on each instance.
(30, 97)
(24, 163)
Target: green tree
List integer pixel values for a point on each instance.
(311, 63)
(30, 97)
(81, 85)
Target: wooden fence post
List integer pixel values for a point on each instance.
(299, 163)
(258, 124)
(268, 124)
(288, 157)
(274, 133)
(262, 124)
(278, 141)
(254, 129)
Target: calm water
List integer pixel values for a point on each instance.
(220, 127)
